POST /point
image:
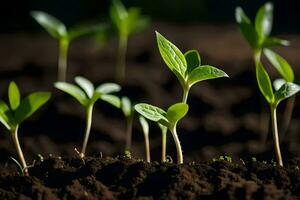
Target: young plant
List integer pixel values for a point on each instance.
(168, 118)
(18, 110)
(187, 67)
(87, 95)
(128, 112)
(127, 22)
(59, 31)
(164, 131)
(286, 90)
(145, 127)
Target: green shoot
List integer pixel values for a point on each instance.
(127, 22)
(87, 95)
(164, 131)
(128, 112)
(18, 110)
(23, 171)
(187, 67)
(168, 118)
(145, 127)
(59, 31)
(286, 90)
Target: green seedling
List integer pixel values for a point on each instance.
(145, 127)
(164, 131)
(87, 95)
(223, 158)
(23, 171)
(286, 90)
(18, 110)
(128, 112)
(127, 22)
(59, 31)
(187, 67)
(168, 118)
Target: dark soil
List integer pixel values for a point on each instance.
(126, 178)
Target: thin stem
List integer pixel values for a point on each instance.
(163, 146)
(89, 112)
(129, 121)
(275, 135)
(62, 59)
(147, 147)
(185, 94)
(19, 150)
(257, 56)
(121, 59)
(178, 145)
(287, 115)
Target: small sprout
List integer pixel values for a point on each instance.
(254, 159)
(128, 111)
(168, 118)
(23, 171)
(287, 90)
(87, 95)
(41, 157)
(164, 131)
(19, 110)
(127, 22)
(223, 158)
(187, 67)
(59, 31)
(145, 127)
(127, 154)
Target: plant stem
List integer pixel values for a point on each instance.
(121, 59)
(62, 59)
(275, 135)
(185, 94)
(89, 112)
(163, 146)
(19, 150)
(287, 115)
(129, 121)
(178, 145)
(257, 56)
(147, 147)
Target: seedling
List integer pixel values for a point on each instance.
(187, 67)
(127, 22)
(59, 31)
(168, 118)
(286, 90)
(19, 110)
(23, 171)
(87, 95)
(145, 127)
(164, 131)
(128, 112)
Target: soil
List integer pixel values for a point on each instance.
(226, 117)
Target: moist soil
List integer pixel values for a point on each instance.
(226, 117)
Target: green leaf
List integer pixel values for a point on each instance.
(126, 106)
(112, 99)
(205, 72)
(177, 112)
(5, 115)
(287, 90)
(141, 24)
(74, 91)
(264, 20)
(264, 83)
(193, 60)
(30, 104)
(86, 85)
(85, 29)
(273, 41)
(282, 66)
(52, 25)
(13, 95)
(246, 28)
(106, 88)
(278, 83)
(133, 17)
(152, 113)
(118, 15)
(144, 125)
(172, 56)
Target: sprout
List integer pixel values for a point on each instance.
(87, 95)
(128, 112)
(187, 67)
(285, 91)
(145, 127)
(164, 130)
(168, 118)
(59, 31)
(127, 22)
(19, 110)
